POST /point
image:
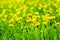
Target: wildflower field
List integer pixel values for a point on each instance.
(29, 19)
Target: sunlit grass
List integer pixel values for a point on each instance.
(29, 20)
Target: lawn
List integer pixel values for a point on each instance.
(29, 19)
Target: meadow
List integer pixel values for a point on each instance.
(29, 19)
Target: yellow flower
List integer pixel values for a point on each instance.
(37, 24)
(14, 16)
(29, 2)
(11, 25)
(45, 5)
(35, 3)
(4, 2)
(18, 18)
(50, 10)
(25, 8)
(18, 1)
(58, 10)
(44, 22)
(37, 16)
(37, 13)
(46, 17)
(18, 11)
(57, 23)
(58, 0)
(29, 15)
(29, 20)
(52, 17)
(11, 20)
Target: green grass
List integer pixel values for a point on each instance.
(23, 30)
(34, 33)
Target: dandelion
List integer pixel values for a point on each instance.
(44, 22)
(46, 17)
(45, 5)
(37, 13)
(58, 10)
(18, 11)
(35, 3)
(18, 18)
(50, 10)
(29, 20)
(29, 2)
(57, 23)
(25, 8)
(11, 25)
(14, 16)
(52, 17)
(29, 15)
(37, 24)
(18, 1)
(11, 20)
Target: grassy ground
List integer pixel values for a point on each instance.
(29, 19)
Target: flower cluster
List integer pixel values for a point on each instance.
(35, 12)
